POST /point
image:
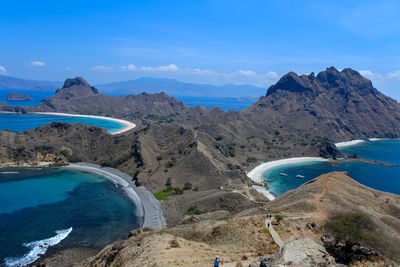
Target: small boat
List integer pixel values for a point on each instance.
(268, 181)
(300, 176)
(283, 174)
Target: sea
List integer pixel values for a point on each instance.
(17, 122)
(23, 122)
(59, 208)
(224, 103)
(376, 176)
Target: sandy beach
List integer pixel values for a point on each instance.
(148, 206)
(127, 125)
(350, 143)
(256, 173)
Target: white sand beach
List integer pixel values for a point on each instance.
(349, 143)
(256, 173)
(148, 206)
(127, 125)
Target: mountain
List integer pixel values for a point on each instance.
(174, 87)
(77, 96)
(8, 82)
(341, 105)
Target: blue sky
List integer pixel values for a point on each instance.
(215, 42)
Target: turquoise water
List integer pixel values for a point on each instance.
(23, 122)
(378, 177)
(61, 208)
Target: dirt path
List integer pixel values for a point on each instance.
(320, 212)
(274, 234)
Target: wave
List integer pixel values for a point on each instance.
(38, 248)
(9, 172)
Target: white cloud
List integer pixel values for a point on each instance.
(129, 67)
(369, 74)
(272, 75)
(201, 72)
(394, 75)
(247, 72)
(170, 67)
(37, 64)
(102, 68)
(3, 70)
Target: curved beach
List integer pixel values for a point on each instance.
(352, 142)
(127, 124)
(256, 173)
(149, 207)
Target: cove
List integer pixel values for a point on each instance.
(375, 176)
(60, 208)
(21, 122)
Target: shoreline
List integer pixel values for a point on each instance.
(257, 173)
(127, 124)
(351, 143)
(148, 206)
(358, 141)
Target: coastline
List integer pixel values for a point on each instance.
(256, 173)
(127, 125)
(148, 206)
(352, 142)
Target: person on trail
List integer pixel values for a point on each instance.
(216, 262)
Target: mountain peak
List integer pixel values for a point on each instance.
(77, 81)
(76, 87)
(291, 82)
(347, 79)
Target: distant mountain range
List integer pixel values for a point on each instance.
(174, 87)
(8, 82)
(148, 85)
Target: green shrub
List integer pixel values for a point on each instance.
(218, 138)
(193, 210)
(231, 149)
(278, 217)
(169, 191)
(43, 148)
(350, 228)
(251, 159)
(69, 157)
(169, 164)
(187, 186)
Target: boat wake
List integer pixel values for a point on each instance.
(38, 248)
(9, 172)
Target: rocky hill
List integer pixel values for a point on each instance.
(78, 97)
(341, 105)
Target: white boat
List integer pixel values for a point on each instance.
(283, 174)
(300, 176)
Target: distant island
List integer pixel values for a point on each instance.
(18, 97)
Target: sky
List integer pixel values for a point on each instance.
(217, 42)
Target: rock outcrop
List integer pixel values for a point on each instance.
(13, 96)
